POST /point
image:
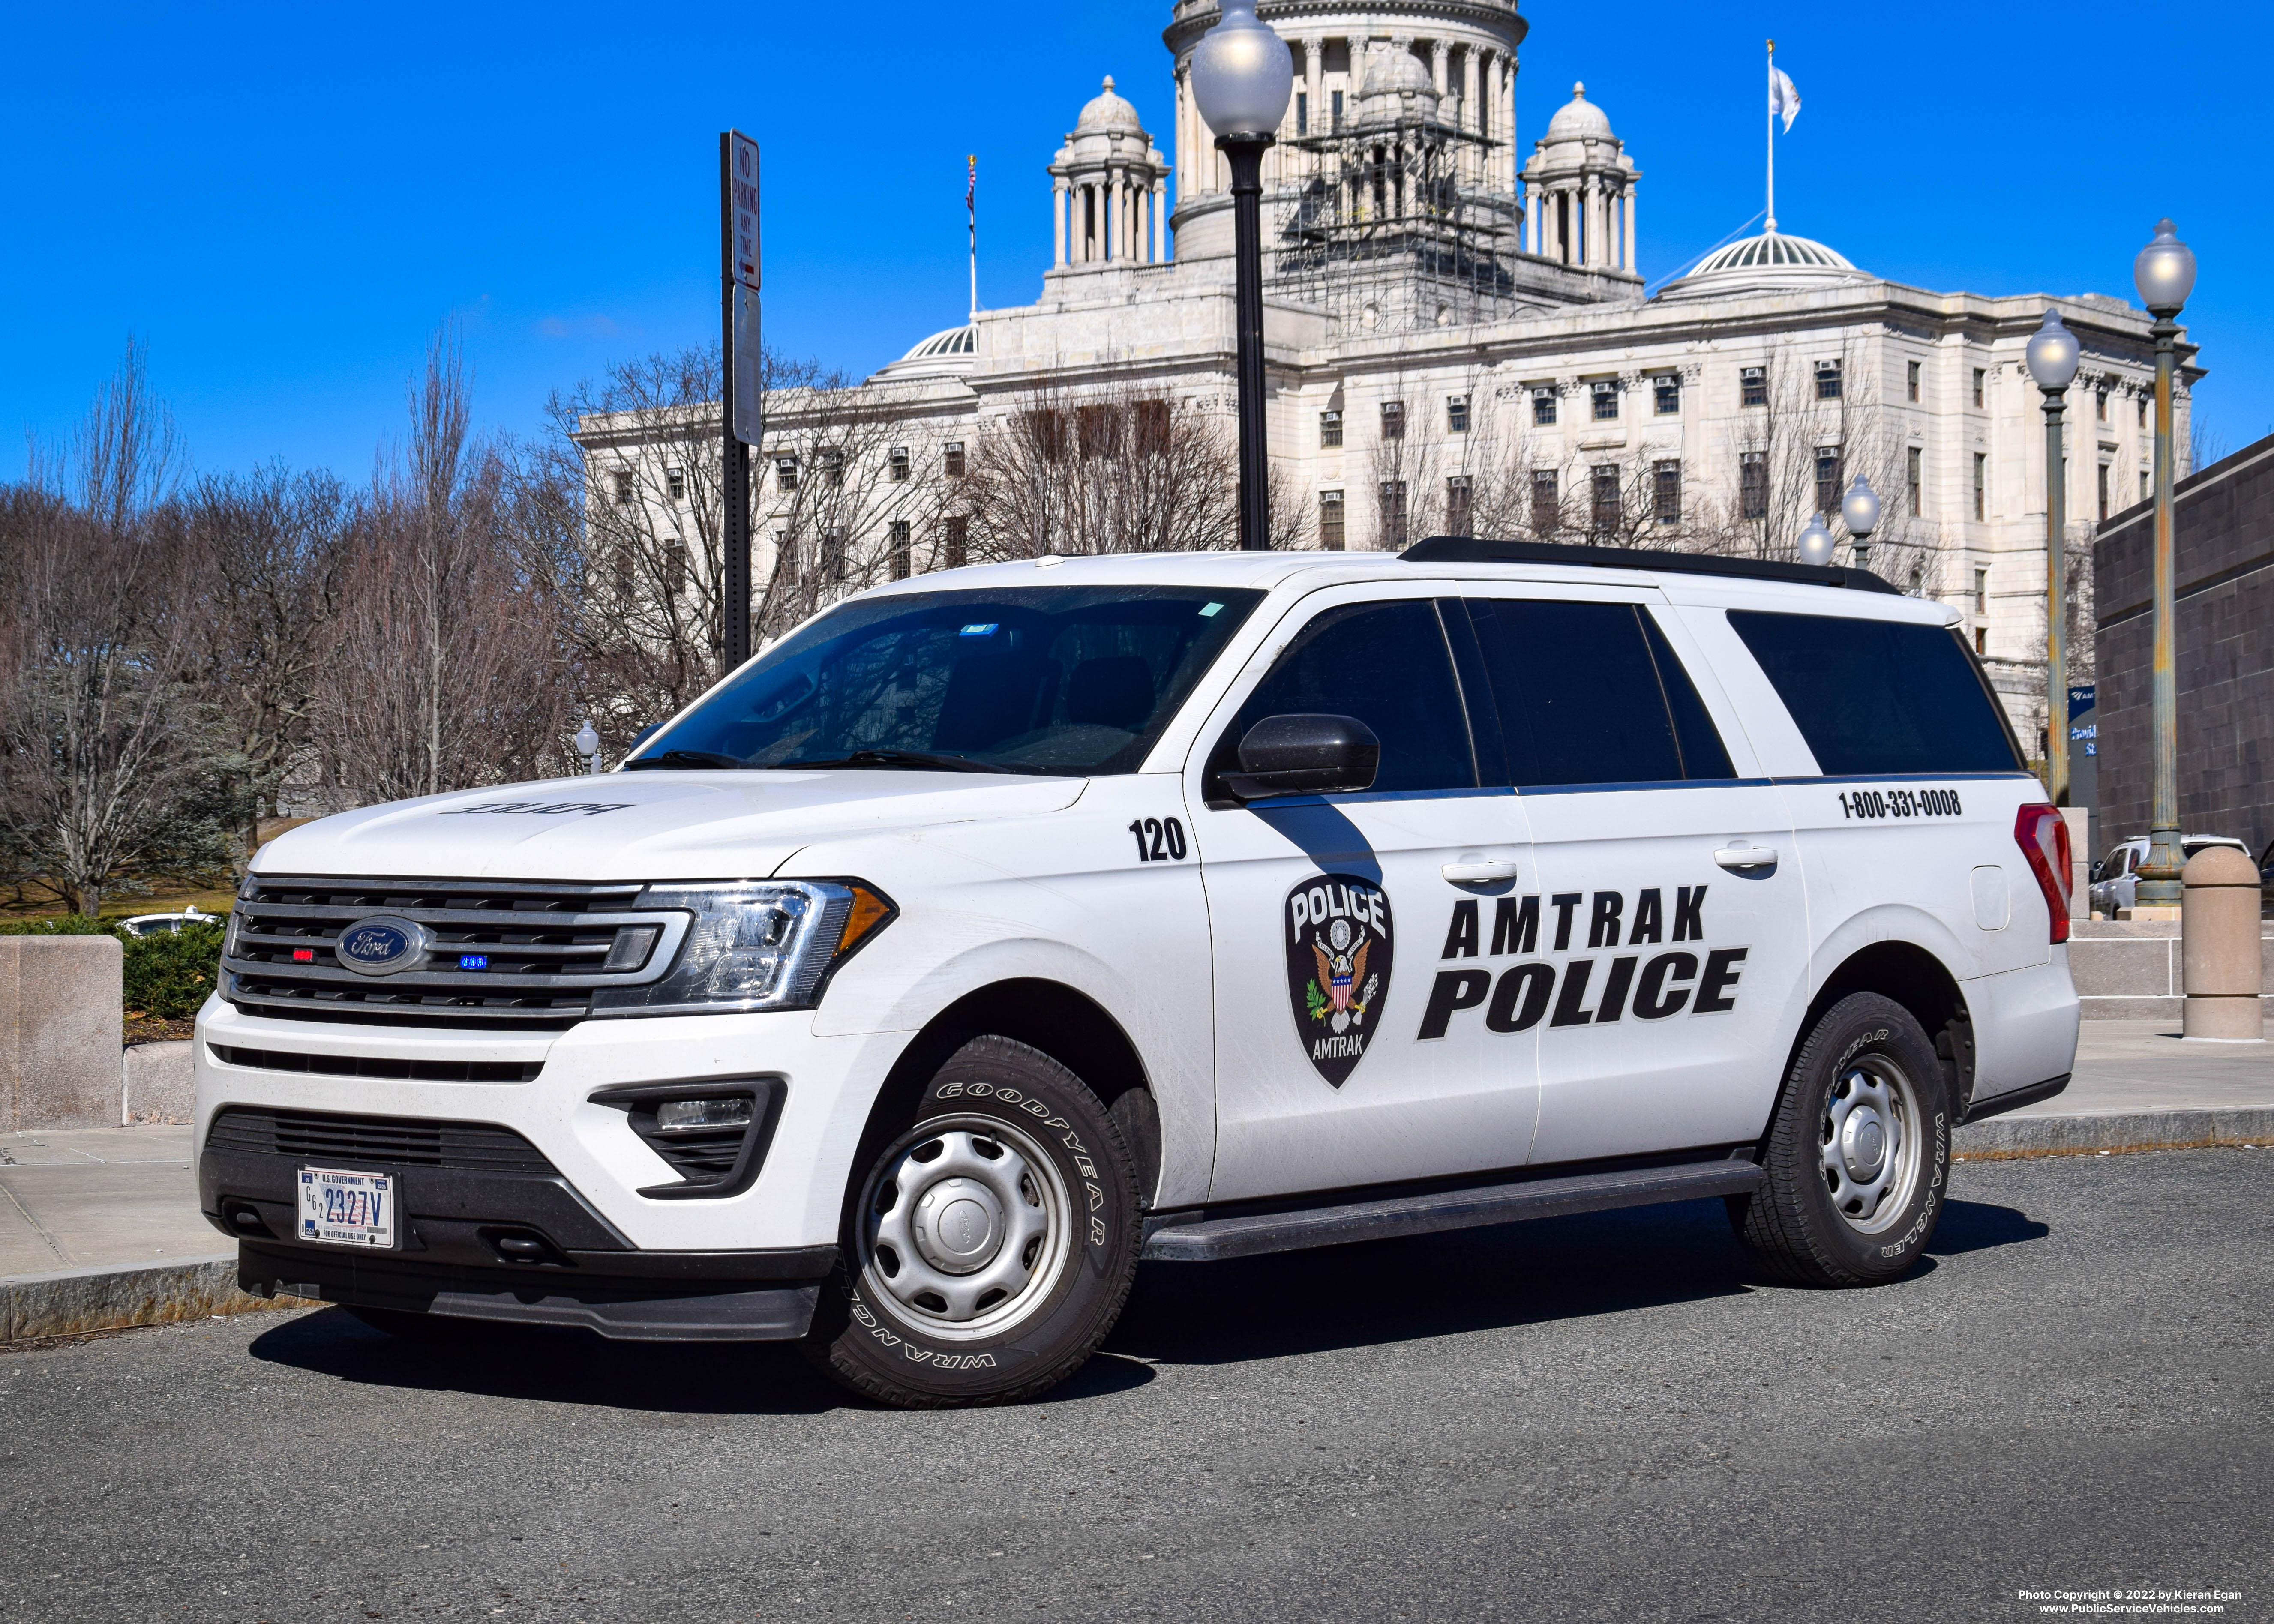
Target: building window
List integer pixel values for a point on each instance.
(833, 467)
(1912, 460)
(896, 464)
(1460, 505)
(1604, 508)
(1547, 504)
(1335, 109)
(1980, 378)
(1457, 414)
(1665, 393)
(1331, 535)
(784, 473)
(832, 553)
(623, 490)
(1330, 429)
(674, 568)
(1393, 514)
(2142, 403)
(1828, 380)
(1981, 590)
(2147, 484)
(1911, 374)
(1606, 394)
(1981, 640)
(952, 460)
(1097, 432)
(1827, 480)
(1981, 484)
(1543, 407)
(1302, 112)
(1753, 484)
(2104, 491)
(675, 481)
(897, 532)
(954, 541)
(1666, 492)
(1393, 419)
(2100, 404)
(1152, 428)
(1753, 386)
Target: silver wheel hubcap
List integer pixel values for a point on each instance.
(1872, 1143)
(967, 1230)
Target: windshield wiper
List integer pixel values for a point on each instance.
(682, 759)
(905, 758)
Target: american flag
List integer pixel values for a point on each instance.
(971, 181)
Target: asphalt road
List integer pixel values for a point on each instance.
(1601, 1417)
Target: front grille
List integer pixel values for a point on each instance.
(400, 1141)
(378, 1065)
(543, 946)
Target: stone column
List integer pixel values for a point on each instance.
(1058, 192)
(1531, 216)
(1628, 210)
(2220, 949)
(1314, 81)
(1160, 221)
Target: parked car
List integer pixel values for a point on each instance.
(999, 928)
(169, 924)
(2115, 877)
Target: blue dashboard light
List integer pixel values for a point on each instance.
(473, 961)
(983, 628)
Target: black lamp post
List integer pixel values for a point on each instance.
(1242, 76)
(2165, 273)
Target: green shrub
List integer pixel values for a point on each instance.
(170, 975)
(167, 976)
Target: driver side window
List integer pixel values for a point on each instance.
(1387, 664)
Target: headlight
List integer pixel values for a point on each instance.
(760, 945)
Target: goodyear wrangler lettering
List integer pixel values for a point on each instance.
(1582, 991)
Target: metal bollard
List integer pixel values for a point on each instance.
(2218, 945)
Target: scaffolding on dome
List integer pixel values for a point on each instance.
(1388, 227)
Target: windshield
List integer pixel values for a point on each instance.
(1076, 680)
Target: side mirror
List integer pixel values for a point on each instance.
(1304, 756)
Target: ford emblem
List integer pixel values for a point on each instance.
(383, 946)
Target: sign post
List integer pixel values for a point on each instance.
(740, 377)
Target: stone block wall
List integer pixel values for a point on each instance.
(60, 1031)
(2224, 639)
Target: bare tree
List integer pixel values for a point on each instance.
(448, 668)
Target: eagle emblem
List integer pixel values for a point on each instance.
(1339, 942)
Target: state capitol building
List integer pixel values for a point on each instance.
(1458, 341)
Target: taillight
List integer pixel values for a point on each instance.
(2042, 833)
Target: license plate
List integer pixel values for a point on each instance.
(341, 1209)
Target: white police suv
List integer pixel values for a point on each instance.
(999, 928)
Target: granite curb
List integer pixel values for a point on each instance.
(74, 1302)
(2112, 1130)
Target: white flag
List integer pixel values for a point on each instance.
(1782, 97)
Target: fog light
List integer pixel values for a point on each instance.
(674, 1114)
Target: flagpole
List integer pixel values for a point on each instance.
(1772, 106)
(971, 202)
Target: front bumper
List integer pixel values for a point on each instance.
(582, 1191)
(647, 1306)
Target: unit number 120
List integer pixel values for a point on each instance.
(1159, 839)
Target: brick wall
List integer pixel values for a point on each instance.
(2224, 639)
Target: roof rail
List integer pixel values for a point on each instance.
(1477, 550)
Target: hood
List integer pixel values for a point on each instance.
(646, 825)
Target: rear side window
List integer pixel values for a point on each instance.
(1388, 665)
(1593, 694)
(1874, 696)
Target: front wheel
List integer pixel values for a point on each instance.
(1857, 1155)
(992, 1242)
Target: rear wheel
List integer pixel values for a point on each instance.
(992, 1242)
(1857, 1155)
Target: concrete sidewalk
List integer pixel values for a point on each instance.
(100, 1227)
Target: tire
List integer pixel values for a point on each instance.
(1857, 1153)
(991, 1246)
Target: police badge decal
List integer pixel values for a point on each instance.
(1339, 945)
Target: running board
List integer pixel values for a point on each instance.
(1209, 1240)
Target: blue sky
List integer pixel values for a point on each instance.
(284, 201)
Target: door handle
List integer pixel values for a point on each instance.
(1746, 857)
(1480, 873)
